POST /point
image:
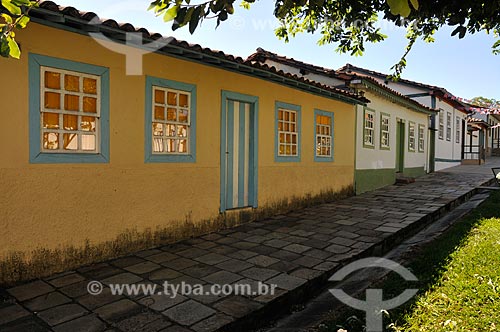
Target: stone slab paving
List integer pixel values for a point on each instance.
(292, 253)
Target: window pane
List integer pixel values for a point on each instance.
(159, 113)
(182, 131)
(172, 98)
(171, 145)
(157, 129)
(294, 150)
(183, 146)
(51, 141)
(70, 141)
(293, 116)
(89, 105)
(52, 100)
(88, 123)
(71, 103)
(171, 114)
(52, 80)
(158, 145)
(183, 116)
(70, 122)
(50, 121)
(159, 96)
(90, 86)
(71, 83)
(88, 143)
(287, 116)
(171, 130)
(280, 115)
(183, 100)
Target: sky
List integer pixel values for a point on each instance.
(465, 67)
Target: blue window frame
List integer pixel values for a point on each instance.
(287, 132)
(170, 122)
(323, 136)
(65, 111)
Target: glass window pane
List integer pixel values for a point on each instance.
(280, 126)
(71, 103)
(88, 123)
(70, 122)
(182, 131)
(282, 138)
(52, 100)
(157, 129)
(280, 115)
(171, 145)
(88, 143)
(52, 80)
(286, 127)
(159, 113)
(172, 98)
(183, 146)
(293, 116)
(50, 121)
(159, 96)
(287, 116)
(171, 114)
(171, 130)
(71, 83)
(70, 141)
(51, 141)
(158, 145)
(89, 105)
(183, 100)
(281, 149)
(183, 116)
(90, 86)
(288, 150)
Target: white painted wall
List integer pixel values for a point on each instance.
(312, 76)
(376, 158)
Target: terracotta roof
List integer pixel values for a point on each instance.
(78, 21)
(261, 55)
(442, 92)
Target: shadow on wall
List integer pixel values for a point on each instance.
(17, 266)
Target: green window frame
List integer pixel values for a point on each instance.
(411, 136)
(385, 131)
(369, 128)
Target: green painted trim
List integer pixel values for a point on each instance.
(414, 171)
(365, 110)
(414, 136)
(444, 160)
(386, 148)
(396, 99)
(371, 179)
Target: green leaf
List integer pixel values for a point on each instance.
(22, 22)
(12, 8)
(7, 18)
(414, 3)
(14, 51)
(195, 19)
(399, 7)
(171, 13)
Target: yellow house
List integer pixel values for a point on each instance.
(90, 152)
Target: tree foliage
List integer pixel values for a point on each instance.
(347, 23)
(484, 102)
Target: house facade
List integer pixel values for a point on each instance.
(90, 152)
(392, 131)
(449, 124)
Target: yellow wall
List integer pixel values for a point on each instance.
(44, 206)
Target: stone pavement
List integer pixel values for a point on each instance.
(297, 252)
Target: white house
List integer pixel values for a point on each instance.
(449, 124)
(392, 132)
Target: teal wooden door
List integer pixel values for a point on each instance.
(239, 151)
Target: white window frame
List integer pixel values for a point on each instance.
(411, 136)
(457, 129)
(323, 135)
(369, 128)
(385, 131)
(441, 124)
(156, 139)
(448, 126)
(62, 112)
(286, 137)
(421, 138)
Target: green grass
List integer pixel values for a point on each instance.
(459, 281)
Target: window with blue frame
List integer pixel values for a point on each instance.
(323, 138)
(69, 111)
(170, 121)
(287, 141)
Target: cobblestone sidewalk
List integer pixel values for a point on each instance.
(296, 252)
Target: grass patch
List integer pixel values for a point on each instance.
(459, 281)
